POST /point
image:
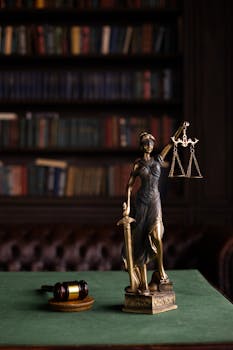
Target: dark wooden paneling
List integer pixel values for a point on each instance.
(208, 103)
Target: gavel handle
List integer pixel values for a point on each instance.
(46, 288)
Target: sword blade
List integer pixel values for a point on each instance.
(125, 221)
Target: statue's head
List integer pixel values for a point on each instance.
(147, 142)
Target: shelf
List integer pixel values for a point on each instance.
(60, 210)
(72, 210)
(91, 105)
(64, 15)
(131, 61)
(58, 201)
(68, 151)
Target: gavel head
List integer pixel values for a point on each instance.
(70, 290)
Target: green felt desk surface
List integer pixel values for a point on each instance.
(203, 316)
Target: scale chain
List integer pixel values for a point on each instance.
(176, 156)
(193, 158)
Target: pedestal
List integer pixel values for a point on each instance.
(153, 303)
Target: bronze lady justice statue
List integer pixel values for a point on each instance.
(147, 233)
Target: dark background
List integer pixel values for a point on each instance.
(208, 103)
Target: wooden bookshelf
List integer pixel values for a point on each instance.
(97, 208)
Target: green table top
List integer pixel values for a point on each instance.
(203, 314)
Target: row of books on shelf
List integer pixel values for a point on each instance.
(44, 130)
(89, 85)
(46, 177)
(88, 4)
(75, 40)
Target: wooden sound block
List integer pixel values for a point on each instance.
(72, 305)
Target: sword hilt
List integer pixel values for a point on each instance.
(125, 220)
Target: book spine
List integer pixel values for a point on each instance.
(40, 39)
(128, 40)
(8, 40)
(22, 40)
(75, 33)
(85, 40)
(105, 44)
(147, 85)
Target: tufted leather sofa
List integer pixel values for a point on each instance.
(76, 247)
(59, 248)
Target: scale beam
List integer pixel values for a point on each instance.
(184, 142)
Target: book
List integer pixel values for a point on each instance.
(8, 40)
(61, 181)
(50, 185)
(21, 40)
(167, 84)
(136, 40)
(147, 85)
(147, 38)
(71, 179)
(59, 41)
(13, 132)
(49, 32)
(24, 180)
(108, 132)
(128, 40)
(40, 40)
(40, 4)
(75, 33)
(51, 163)
(8, 116)
(105, 42)
(85, 39)
(41, 133)
(159, 39)
(123, 141)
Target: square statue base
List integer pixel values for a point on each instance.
(154, 303)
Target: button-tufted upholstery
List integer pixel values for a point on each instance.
(59, 248)
(74, 247)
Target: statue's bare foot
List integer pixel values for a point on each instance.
(142, 291)
(130, 290)
(164, 278)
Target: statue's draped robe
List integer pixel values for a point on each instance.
(147, 211)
